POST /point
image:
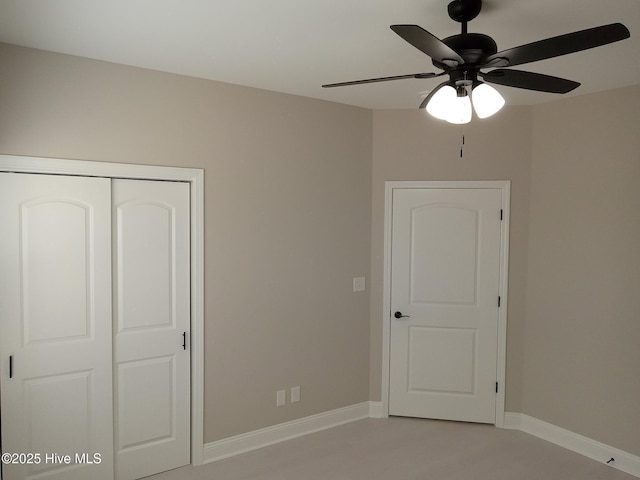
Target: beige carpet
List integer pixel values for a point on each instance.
(403, 449)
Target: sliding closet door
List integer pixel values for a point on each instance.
(55, 328)
(151, 326)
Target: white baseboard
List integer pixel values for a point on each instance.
(512, 421)
(246, 442)
(375, 410)
(600, 452)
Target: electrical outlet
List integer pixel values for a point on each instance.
(358, 284)
(295, 394)
(281, 398)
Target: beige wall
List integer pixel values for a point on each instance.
(408, 145)
(295, 209)
(573, 352)
(581, 367)
(287, 227)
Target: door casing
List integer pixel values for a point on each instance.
(505, 187)
(195, 177)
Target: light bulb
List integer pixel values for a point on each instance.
(440, 104)
(459, 110)
(486, 100)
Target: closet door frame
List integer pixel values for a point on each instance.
(195, 177)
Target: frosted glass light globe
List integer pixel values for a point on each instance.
(486, 100)
(459, 110)
(440, 103)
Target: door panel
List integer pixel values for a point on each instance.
(70, 424)
(48, 278)
(55, 304)
(145, 264)
(443, 271)
(428, 347)
(445, 277)
(138, 381)
(152, 318)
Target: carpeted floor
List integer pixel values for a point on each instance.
(405, 449)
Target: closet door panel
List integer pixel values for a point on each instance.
(145, 265)
(55, 334)
(151, 326)
(55, 267)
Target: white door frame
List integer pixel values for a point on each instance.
(505, 187)
(195, 177)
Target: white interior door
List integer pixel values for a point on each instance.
(55, 333)
(151, 326)
(445, 273)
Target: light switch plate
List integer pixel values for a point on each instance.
(281, 398)
(358, 284)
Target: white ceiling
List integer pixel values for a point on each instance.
(294, 46)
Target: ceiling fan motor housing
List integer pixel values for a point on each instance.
(474, 48)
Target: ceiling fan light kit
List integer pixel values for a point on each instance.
(459, 110)
(463, 58)
(486, 100)
(450, 101)
(438, 105)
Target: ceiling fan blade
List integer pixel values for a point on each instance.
(382, 79)
(429, 44)
(529, 81)
(564, 44)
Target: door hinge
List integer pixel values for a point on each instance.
(501, 214)
(499, 301)
(496, 387)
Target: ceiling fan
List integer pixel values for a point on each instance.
(463, 58)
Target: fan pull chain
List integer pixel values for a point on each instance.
(462, 145)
